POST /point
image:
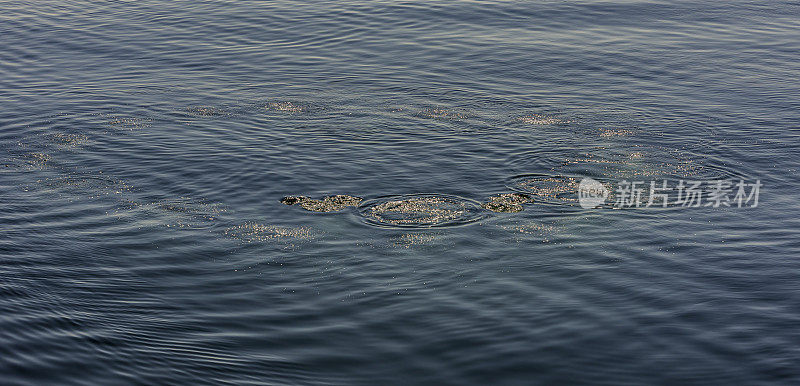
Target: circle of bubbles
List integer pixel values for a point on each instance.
(420, 211)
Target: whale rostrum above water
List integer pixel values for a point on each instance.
(507, 202)
(501, 203)
(328, 204)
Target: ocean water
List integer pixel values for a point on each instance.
(145, 148)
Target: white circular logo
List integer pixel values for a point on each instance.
(591, 193)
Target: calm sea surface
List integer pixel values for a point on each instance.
(145, 147)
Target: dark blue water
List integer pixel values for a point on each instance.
(145, 147)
